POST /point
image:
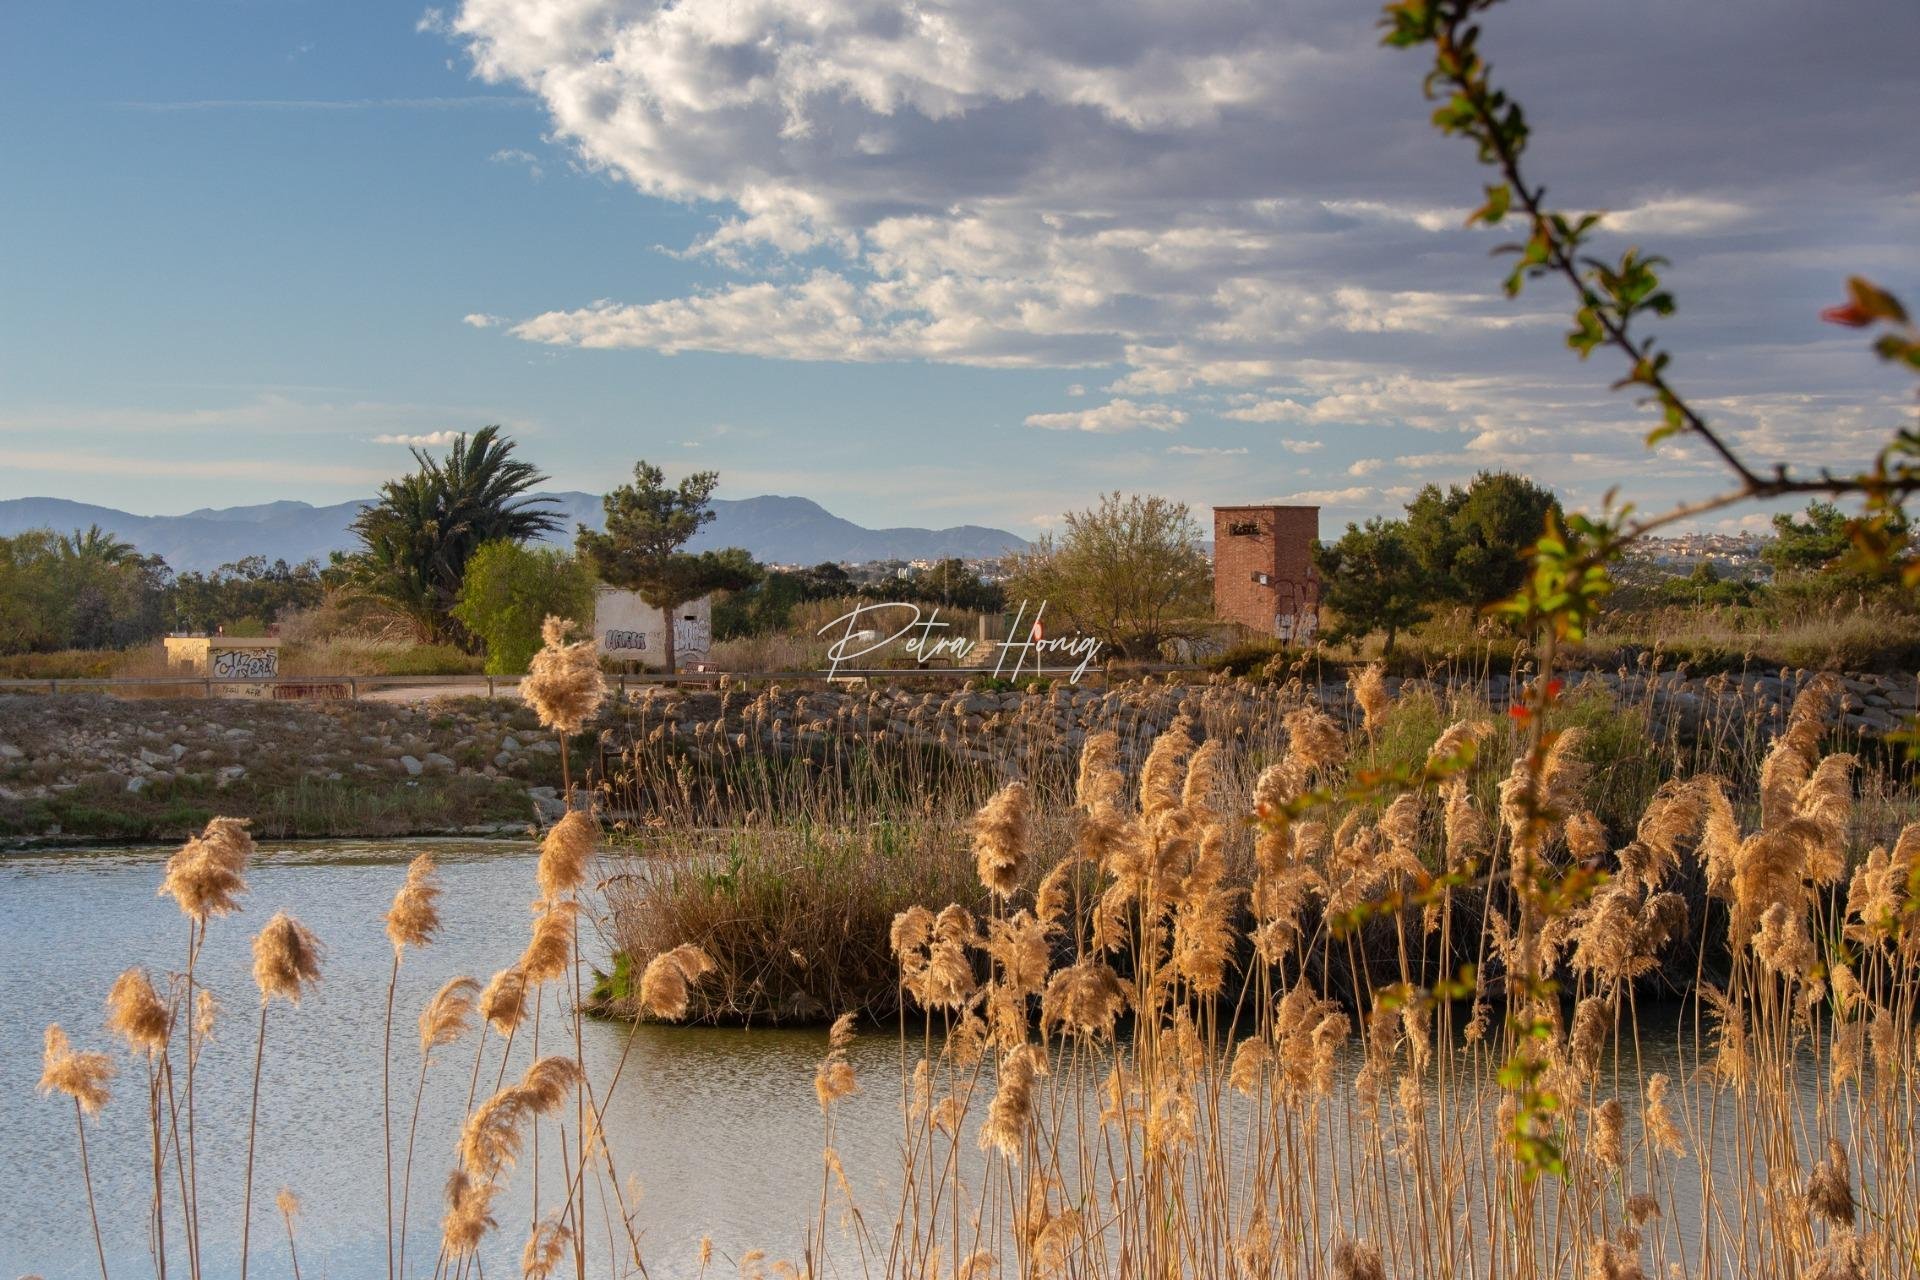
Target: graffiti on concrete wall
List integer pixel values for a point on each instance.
(692, 635)
(617, 640)
(244, 664)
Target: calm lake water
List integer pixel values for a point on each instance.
(720, 1128)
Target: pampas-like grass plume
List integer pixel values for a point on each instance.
(79, 1074)
(469, 1212)
(546, 1084)
(286, 960)
(564, 853)
(446, 1016)
(549, 952)
(1000, 834)
(1829, 1187)
(1357, 1260)
(1085, 997)
(1164, 772)
(1012, 1107)
(546, 1248)
(205, 876)
(664, 983)
(1314, 741)
(834, 1078)
(206, 1015)
(1099, 783)
(563, 684)
(504, 1001)
(414, 917)
(491, 1139)
(1369, 687)
(136, 1012)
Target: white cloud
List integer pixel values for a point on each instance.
(525, 159)
(1366, 466)
(983, 184)
(72, 462)
(1676, 215)
(419, 441)
(481, 320)
(1199, 451)
(1226, 208)
(1115, 415)
(1303, 446)
(1352, 496)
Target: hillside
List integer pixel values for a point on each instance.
(785, 530)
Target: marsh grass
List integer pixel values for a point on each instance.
(1233, 990)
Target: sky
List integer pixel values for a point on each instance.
(926, 264)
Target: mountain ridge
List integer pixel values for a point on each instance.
(776, 528)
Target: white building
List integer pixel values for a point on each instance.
(628, 629)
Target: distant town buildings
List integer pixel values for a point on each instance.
(1734, 555)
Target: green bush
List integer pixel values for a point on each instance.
(431, 660)
(510, 590)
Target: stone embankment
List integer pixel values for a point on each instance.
(94, 765)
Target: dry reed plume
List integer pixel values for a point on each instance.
(1288, 1000)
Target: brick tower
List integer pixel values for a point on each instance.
(1263, 574)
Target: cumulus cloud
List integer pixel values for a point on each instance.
(1200, 451)
(1115, 415)
(481, 320)
(1365, 466)
(421, 440)
(1232, 209)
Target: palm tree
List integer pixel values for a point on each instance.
(96, 545)
(418, 538)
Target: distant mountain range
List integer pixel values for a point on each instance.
(775, 530)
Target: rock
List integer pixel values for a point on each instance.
(153, 757)
(135, 784)
(434, 760)
(546, 747)
(413, 767)
(504, 759)
(509, 743)
(231, 773)
(547, 804)
(10, 752)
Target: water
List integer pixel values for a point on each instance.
(719, 1128)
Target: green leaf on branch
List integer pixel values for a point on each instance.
(1499, 200)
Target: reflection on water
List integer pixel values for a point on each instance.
(719, 1129)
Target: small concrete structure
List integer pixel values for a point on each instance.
(1263, 575)
(233, 661)
(628, 629)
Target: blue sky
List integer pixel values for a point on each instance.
(975, 265)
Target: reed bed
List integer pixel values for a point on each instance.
(1235, 995)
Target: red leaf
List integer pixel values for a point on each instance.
(1850, 314)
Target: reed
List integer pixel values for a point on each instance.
(1234, 985)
